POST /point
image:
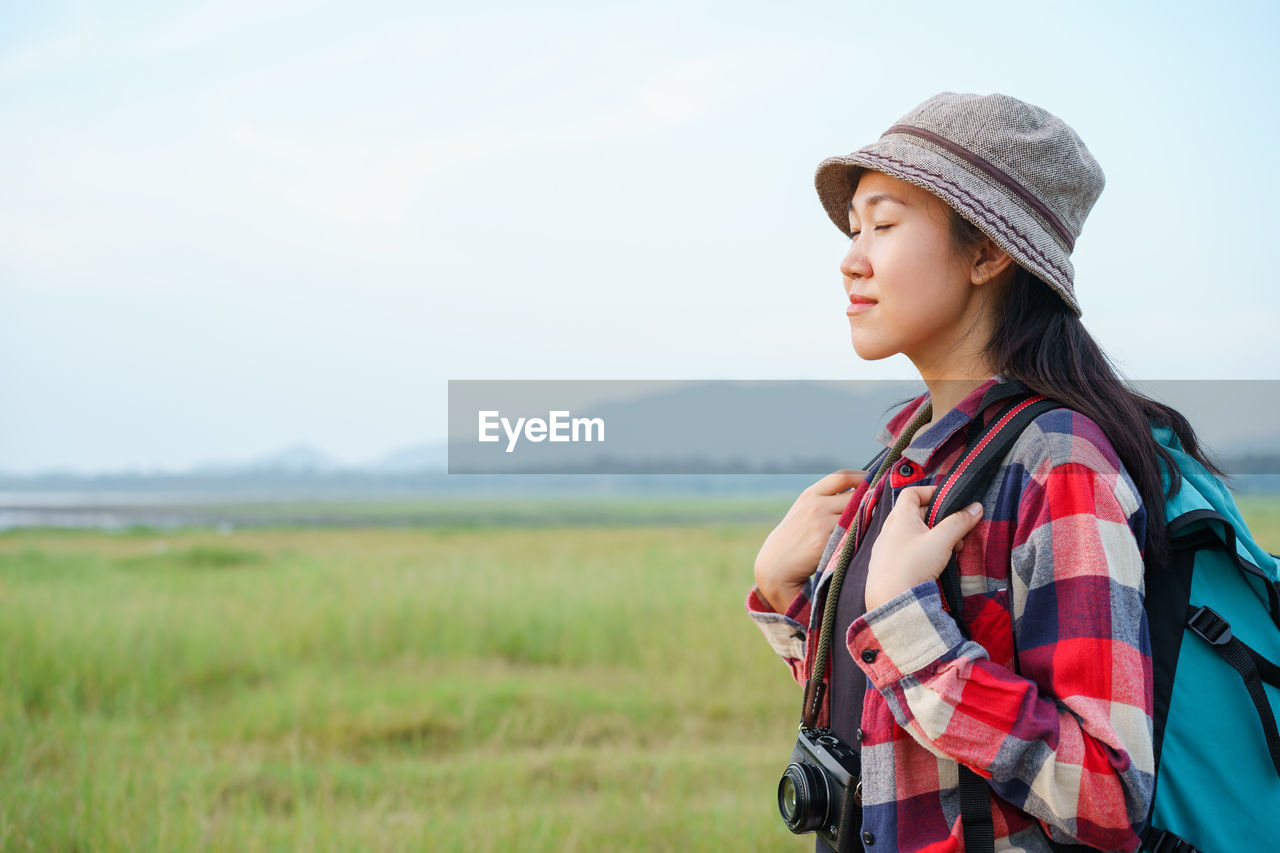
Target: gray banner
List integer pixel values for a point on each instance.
(768, 427)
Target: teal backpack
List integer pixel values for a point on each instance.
(1214, 616)
(1215, 630)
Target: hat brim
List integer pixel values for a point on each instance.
(1014, 228)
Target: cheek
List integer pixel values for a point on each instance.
(932, 281)
(920, 308)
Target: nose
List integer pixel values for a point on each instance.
(855, 263)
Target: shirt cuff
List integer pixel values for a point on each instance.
(904, 635)
(784, 631)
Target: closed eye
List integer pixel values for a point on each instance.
(854, 234)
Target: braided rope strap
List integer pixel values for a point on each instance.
(816, 685)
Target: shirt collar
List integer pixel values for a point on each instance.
(929, 439)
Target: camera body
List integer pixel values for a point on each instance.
(821, 789)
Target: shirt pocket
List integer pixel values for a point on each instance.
(991, 624)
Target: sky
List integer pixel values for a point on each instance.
(233, 227)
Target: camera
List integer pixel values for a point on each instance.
(821, 789)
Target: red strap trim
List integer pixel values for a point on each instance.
(973, 454)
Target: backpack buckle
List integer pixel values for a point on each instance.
(1210, 627)
(1162, 841)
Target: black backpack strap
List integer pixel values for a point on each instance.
(975, 812)
(1163, 841)
(986, 445)
(1197, 538)
(968, 478)
(1254, 669)
(1170, 612)
(996, 393)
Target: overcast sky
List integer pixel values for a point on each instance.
(230, 227)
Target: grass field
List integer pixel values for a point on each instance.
(439, 688)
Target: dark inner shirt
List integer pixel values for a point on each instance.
(847, 680)
(848, 683)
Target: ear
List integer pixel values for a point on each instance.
(989, 262)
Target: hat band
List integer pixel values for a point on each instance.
(992, 171)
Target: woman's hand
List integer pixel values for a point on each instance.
(908, 552)
(791, 552)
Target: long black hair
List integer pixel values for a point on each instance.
(1038, 340)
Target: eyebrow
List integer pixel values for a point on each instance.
(875, 198)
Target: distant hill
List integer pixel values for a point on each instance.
(419, 457)
(676, 437)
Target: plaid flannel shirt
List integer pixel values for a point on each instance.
(1063, 734)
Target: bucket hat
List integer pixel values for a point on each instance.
(1016, 171)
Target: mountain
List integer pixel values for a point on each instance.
(418, 457)
(296, 459)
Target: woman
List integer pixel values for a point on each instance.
(962, 218)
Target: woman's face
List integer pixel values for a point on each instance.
(909, 291)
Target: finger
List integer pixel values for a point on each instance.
(835, 504)
(911, 503)
(839, 481)
(956, 526)
(915, 496)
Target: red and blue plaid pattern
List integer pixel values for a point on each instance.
(1064, 735)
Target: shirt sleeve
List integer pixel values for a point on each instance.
(785, 631)
(1068, 737)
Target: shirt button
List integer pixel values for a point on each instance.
(860, 735)
(869, 655)
(868, 839)
(905, 469)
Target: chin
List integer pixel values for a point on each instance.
(868, 351)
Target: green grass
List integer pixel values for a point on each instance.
(545, 688)
(533, 689)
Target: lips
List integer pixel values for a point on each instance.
(857, 304)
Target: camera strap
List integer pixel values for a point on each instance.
(816, 685)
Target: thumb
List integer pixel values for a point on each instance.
(916, 497)
(956, 526)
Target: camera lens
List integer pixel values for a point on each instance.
(802, 798)
(787, 799)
